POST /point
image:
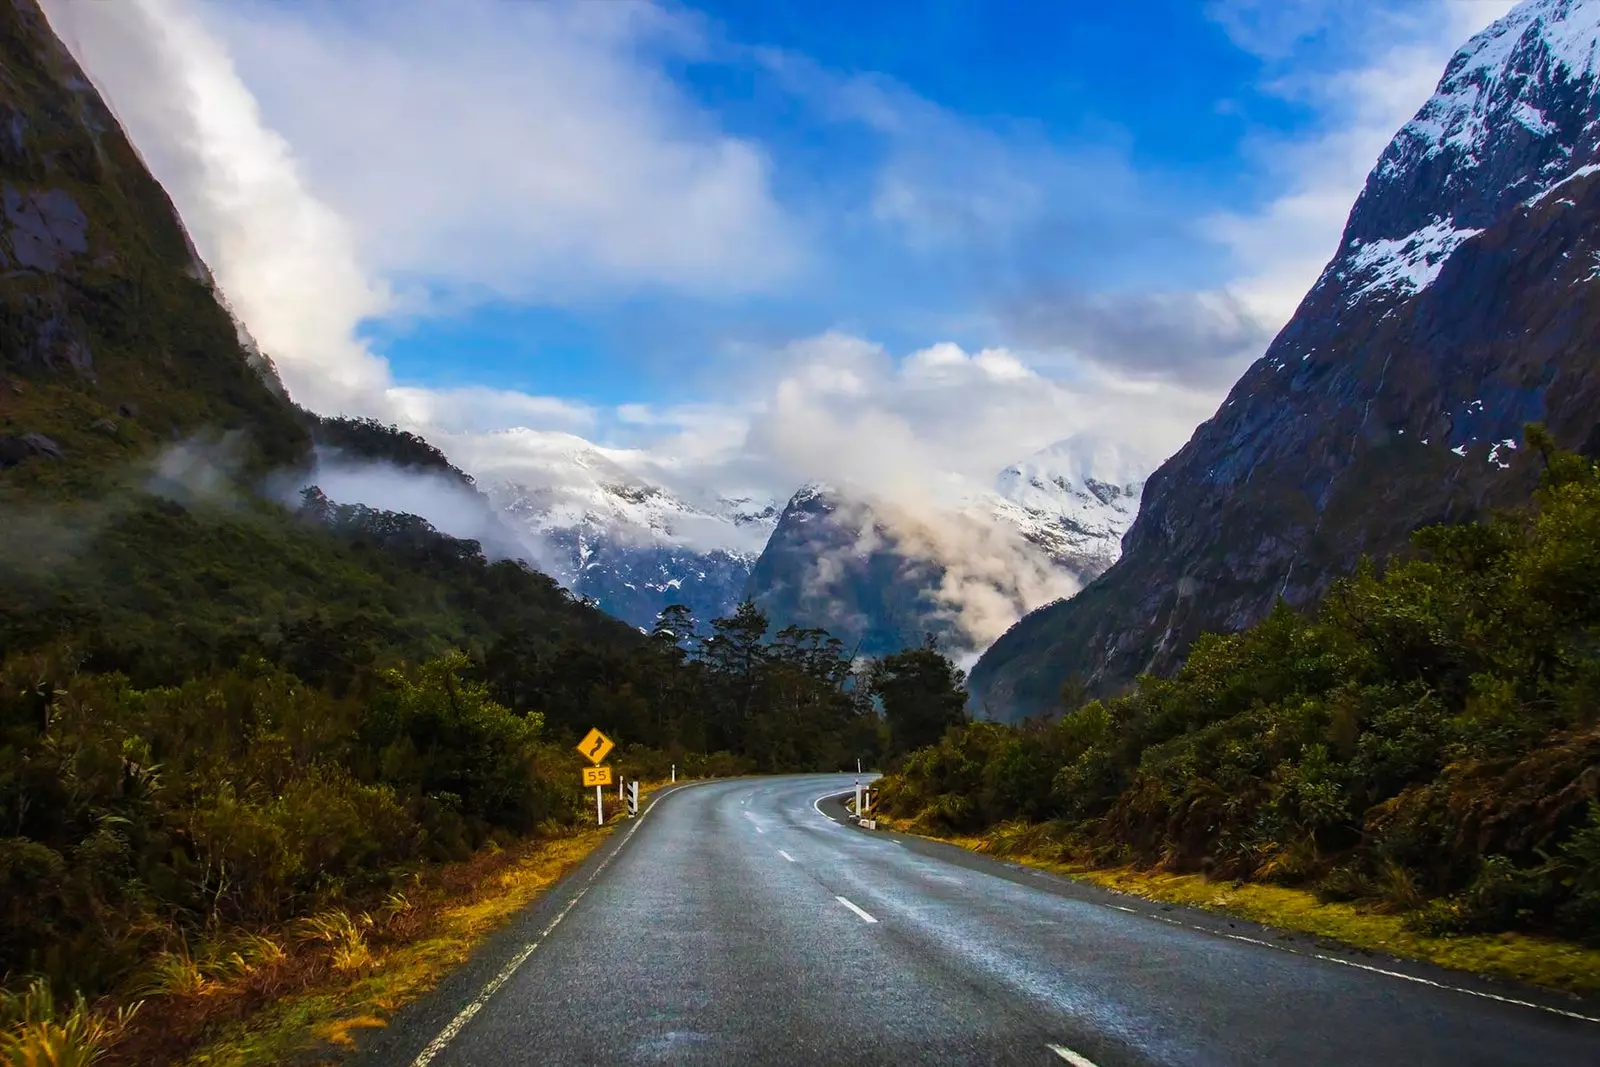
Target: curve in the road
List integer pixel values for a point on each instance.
(742, 922)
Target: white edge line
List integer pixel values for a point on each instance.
(1454, 988)
(464, 1016)
(817, 803)
(785, 855)
(1365, 967)
(1070, 1056)
(864, 916)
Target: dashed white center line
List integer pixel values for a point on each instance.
(785, 855)
(1070, 1056)
(864, 916)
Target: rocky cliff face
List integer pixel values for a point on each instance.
(112, 339)
(1463, 302)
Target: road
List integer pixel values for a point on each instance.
(738, 923)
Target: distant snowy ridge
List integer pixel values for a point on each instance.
(601, 526)
(1075, 499)
(604, 523)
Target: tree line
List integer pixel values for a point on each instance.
(1427, 741)
(268, 715)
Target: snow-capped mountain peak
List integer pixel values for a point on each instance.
(1508, 122)
(1075, 498)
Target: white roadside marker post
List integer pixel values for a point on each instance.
(674, 772)
(858, 798)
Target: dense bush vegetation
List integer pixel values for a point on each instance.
(1428, 740)
(220, 716)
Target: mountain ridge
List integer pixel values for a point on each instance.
(881, 575)
(1395, 396)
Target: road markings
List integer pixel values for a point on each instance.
(1365, 967)
(817, 803)
(864, 916)
(785, 855)
(1249, 940)
(464, 1016)
(1452, 988)
(1070, 1056)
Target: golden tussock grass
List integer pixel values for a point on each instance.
(267, 998)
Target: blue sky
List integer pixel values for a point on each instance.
(1165, 128)
(757, 243)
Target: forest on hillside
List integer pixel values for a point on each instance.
(219, 717)
(1427, 741)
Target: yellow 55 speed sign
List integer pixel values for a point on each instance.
(597, 776)
(595, 745)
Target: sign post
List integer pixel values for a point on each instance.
(594, 747)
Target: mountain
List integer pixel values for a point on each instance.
(109, 324)
(1461, 304)
(1075, 499)
(139, 426)
(603, 524)
(880, 576)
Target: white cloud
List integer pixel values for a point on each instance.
(486, 149)
(480, 409)
(526, 149)
(924, 429)
(285, 259)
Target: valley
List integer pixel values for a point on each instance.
(298, 636)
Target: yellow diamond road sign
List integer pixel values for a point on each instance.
(597, 776)
(595, 745)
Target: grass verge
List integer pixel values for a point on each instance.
(1557, 965)
(335, 975)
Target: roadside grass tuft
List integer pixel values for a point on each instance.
(326, 993)
(35, 1031)
(474, 899)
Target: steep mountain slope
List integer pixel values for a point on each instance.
(109, 327)
(880, 578)
(1461, 304)
(611, 531)
(138, 424)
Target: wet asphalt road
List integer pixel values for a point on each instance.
(740, 924)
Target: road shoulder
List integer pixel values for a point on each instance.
(1217, 919)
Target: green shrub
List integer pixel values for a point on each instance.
(1424, 741)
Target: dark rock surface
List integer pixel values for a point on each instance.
(1464, 302)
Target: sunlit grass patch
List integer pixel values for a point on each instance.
(410, 945)
(372, 975)
(36, 1031)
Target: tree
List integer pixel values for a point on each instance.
(676, 627)
(923, 694)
